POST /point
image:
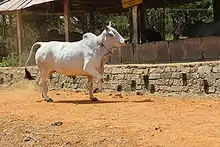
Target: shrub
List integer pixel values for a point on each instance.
(10, 60)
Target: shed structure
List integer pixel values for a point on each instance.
(74, 7)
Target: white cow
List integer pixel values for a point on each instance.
(84, 57)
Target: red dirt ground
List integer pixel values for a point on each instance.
(133, 120)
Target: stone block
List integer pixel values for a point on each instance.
(116, 71)
(174, 69)
(139, 81)
(177, 82)
(146, 71)
(160, 70)
(127, 70)
(128, 76)
(135, 76)
(204, 70)
(216, 69)
(166, 75)
(119, 76)
(160, 82)
(217, 83)
(215, 75)
(178, 89)
(192, 75)
(138, 71)
(154, 76)
(170, 82)
(176, 75)
(167, 69)
(186, 69)
(108, 70)
(154, 82)
(211, 90)
(151, 70)
(139, 87)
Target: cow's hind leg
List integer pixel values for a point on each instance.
(100, 86)
(90, 85)
(43, 83)
(38, 77)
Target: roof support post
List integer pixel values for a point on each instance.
(66, 19)
(18, 23)
(135, 32)
(164, 24)
(216, 9)
(141, 24)
(92, 21)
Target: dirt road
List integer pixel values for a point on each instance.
(133, 120)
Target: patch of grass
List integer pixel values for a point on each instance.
(10, 60)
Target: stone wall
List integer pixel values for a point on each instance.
(195, 78)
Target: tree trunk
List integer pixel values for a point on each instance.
(216, 9)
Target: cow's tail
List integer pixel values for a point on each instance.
(27, 73)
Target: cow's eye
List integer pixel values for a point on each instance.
(111, 34)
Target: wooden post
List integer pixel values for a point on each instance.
(164, 23)
(141, 23)
(92, 21)
(18, 22)
(135, 32)
(216, 9)
(66, 19)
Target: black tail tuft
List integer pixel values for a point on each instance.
(28, 75)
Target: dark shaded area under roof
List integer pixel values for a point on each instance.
(56, 6)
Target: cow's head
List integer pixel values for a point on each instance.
(111, 38)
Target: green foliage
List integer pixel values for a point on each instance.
(190, 13)
(10, 60)
(120, 22)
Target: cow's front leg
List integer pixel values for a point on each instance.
(90, 86)
(100, 86)
(101, 81)
(101, 71)
(90, 69)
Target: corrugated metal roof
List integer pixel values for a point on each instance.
(12, 5)
(83, 5)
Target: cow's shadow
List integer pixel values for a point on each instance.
(87, 101)
(99, 102)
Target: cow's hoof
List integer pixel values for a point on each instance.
(95, 99)
(49, 100)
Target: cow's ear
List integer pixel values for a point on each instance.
(107, 29)
(85, 36)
